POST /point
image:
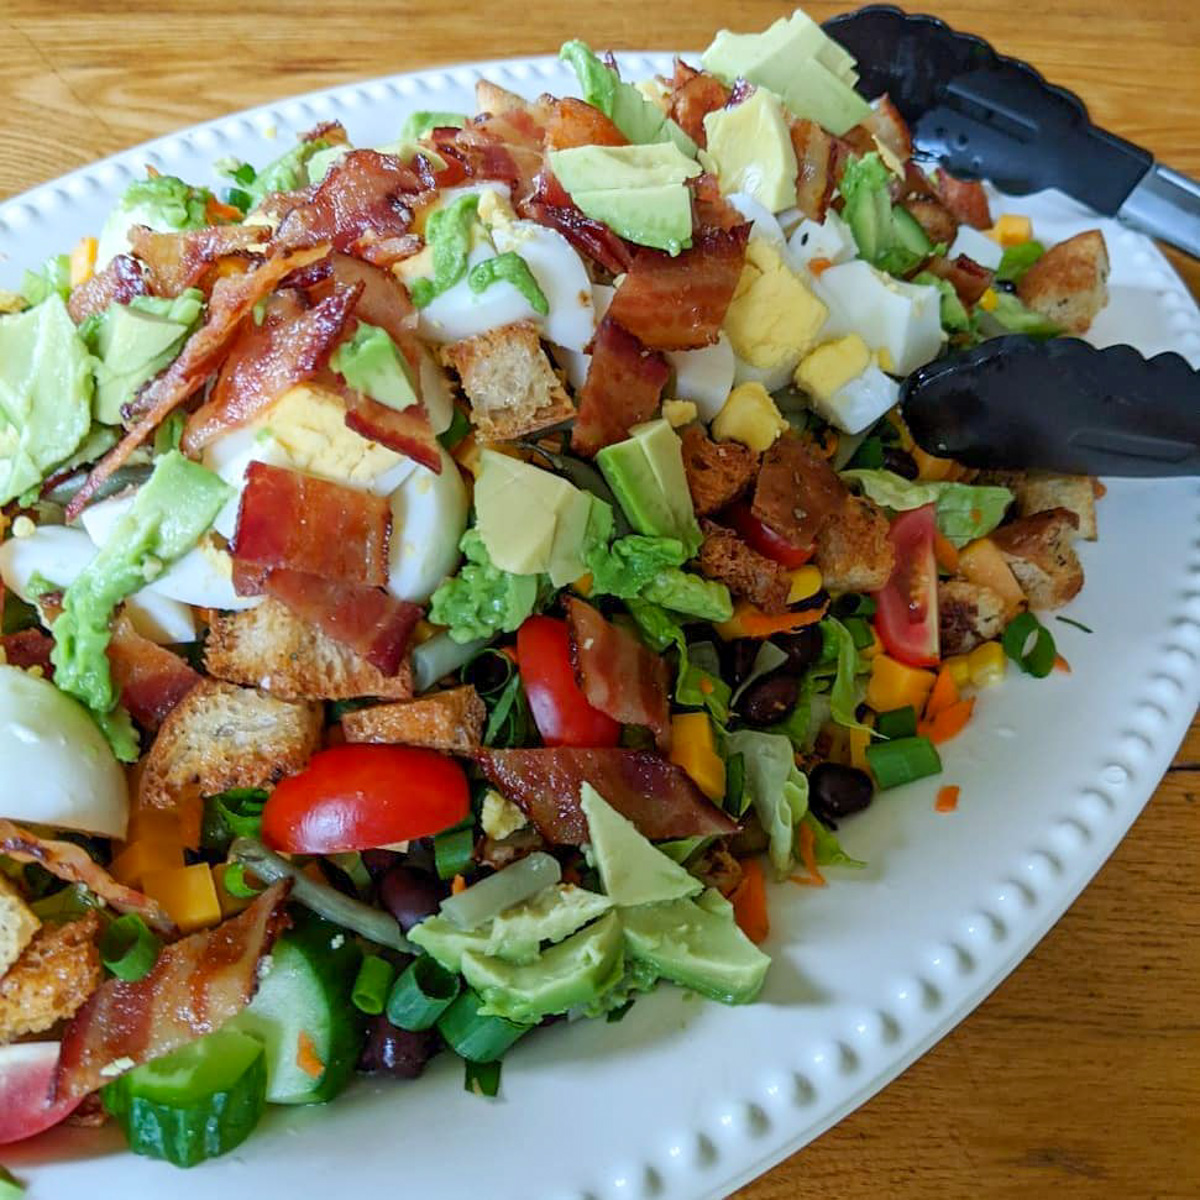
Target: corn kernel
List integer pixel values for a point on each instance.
(989, 300)
(806, 582)
(960, 670)
(1012, 229)
(987, 664)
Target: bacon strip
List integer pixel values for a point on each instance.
(618, 673)
(968, 278)
(886, 124)
(623, 384)
(694, 94)
(818, 157)
(576, 123)
(506, 147)
(933, 217)
(552, 206)
(118, 283)
(29, 648)
(965, 198)
(197, 985)
(405, 430)
(797, 491)
(302, 523)
(232, 300)
(73, 864)
(366, 191)
(386, 251)
(151, 679)
(290, 346)
(176, 261)
(647, 789)
(680, 303)
(370, 621)
(382, 301)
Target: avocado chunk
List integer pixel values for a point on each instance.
(697, 944)
(659, 217)
(632, 870)
(646, 475)
(752, 147)
(516, 934)
(577, 971)
(371, 362)
(45, 394)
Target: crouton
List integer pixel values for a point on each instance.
(853, 552)
(221, 736)
(508, 378)
(724, 556)
(1069, 283)
(268, 647)
(451, 720)
(52, 979)
(18, 924)
(968, 614)
(1076, 493)
(1038, 550)
(717, 472)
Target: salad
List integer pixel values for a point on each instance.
(457, 585)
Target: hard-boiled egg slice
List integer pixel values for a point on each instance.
(429, 514)
(574, 362)
(858, 404)
(704, 376)
(772, 378)
(978, 246)
(830, 239)
(438, 399)
(763, 222)
(58, 769)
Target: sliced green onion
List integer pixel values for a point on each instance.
(128, 948)
(902, 760)
(735, 784)
(860, 632)
(1036, 659)
(422, 993)
(869, 454)
(240, 200)
(375, 926)
(440, 656)
(509, 721)
(899, 723)
(488, 672)
(485, 899)
(483, 1079)
(235, 883)
(372, 985)
(12, 1188)
(1077, 624)
(475, 1037)
(454, 850)
(244, 173)
(854, 604)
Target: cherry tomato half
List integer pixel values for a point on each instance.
(761, 537)
(559, 707)
(358, 797)
(26, 1073)
(907, 608)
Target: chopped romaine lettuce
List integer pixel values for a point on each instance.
(827, 850)
(1017, 260)
(683, 592)
(287, 173)
(420, 123)
(54, 279)
(630, 563)
(844, 695)
(778, 790)
(163, 203)
(1011, 316)
(955, 318)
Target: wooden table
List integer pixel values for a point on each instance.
(1081, 1074)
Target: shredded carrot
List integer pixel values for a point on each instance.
(754, 623)
(945, 552)
(818, 266)
(215, 211)
(947, 798)
(706, 686)
(1061, 664)
(749, 901)
(307, 1058)
(943, 694)
(808, 856)
(948, 723)
(458, 884)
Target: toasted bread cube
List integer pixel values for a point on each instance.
(1069, 283)
(1077, 493)
(18, 924)
(968, 614)
(717, 472)
(853, 552)
(451, 721)
(1038, 550)
(724, 556)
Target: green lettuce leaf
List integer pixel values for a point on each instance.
(1016, 260)
(1011, 316)
(827, 850)
(778, 791)
(697, 685)
(844, 695)
(54, 279)
(683, 592)
(482, 600)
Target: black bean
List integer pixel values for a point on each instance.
(803, 647)
(389, 1050)
(900, 462)
(379, 862)
(835, 791)
(769, 699)
(410, 896)
(737, 659)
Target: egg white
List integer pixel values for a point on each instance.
(429, 515)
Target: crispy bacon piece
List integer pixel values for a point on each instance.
(333, 132)
(817, 156)
(618, 673)
(552, 206)
(386, 251)
(369, 620)
(382, 301)
(694, 94)
(797, 491)
(176, 261)
(886, 124)
(916, 183)
(118, 283)
(710, 210)
(576, 123)
(302, 523)
(73, 864)
(623, 384)
(150, 679)
(964, 274)
(29, 648)
(934, 218)
(405, 430)
(366, 191)
(196, 985)
(644, 787)
(506, 147)
(679, 303)
(965, 198)
(291, 345)
(232, 300)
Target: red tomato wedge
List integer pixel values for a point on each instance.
(761, 537)
(559, 707)
(26, 1073)
(359, 797)
(907, 608)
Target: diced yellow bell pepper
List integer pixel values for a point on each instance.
(959, 670)
(693, 748)
(987, 664)
(1011, 229)
(806, 582)
(989, 301)
(895, 685)
(230, 904)
(153, 825)
(146, 856)
(857, 742)
(83, 261)
(981, 562)
(187, 893)
(583, 585)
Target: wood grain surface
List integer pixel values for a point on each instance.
(1080, 1076)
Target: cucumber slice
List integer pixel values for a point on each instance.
(303, 1012)
(197, 1102)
